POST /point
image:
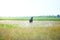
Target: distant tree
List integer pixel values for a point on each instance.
(58, 15)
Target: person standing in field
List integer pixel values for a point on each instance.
(31, 20)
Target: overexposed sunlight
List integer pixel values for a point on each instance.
(29, 7)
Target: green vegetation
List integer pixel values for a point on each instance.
(47, 18)
(36, 18)
(8, 26)
(14, 18)
(14, 32)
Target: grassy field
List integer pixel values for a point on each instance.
(35, 18)
(19, 28)
(37, 32)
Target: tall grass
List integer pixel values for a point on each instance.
(14, 32)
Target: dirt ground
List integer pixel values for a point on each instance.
(34, 23)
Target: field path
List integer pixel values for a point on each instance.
(35, 23)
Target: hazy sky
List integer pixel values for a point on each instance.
(29, 7)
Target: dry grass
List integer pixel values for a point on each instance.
(13, 32)
(50, 33)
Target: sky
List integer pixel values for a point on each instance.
(17, 8)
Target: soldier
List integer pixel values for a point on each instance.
(31, 20)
